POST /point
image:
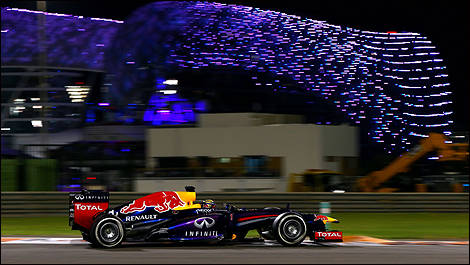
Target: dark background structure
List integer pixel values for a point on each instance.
(444, 23)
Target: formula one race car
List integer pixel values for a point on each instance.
(175, 216)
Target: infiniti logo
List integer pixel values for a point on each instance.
(206, 222)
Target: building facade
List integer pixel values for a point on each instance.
(258, 141)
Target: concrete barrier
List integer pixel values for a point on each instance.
(50, 203)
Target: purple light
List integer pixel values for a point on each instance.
(61, 15)
(103, 104)
(391, 79)
(78, 41)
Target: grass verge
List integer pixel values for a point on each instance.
(404, 225)
(428, 226)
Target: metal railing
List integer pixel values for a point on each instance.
(50, 203)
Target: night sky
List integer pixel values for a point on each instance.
(445, 23)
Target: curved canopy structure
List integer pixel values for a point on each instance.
(67, 40)
(395, 84)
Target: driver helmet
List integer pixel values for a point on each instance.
(208, 204)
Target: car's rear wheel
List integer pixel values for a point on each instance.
(107, 231)
(85, 236)
(289, 229)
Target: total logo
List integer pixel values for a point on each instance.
(329, 234)
(204, 222)
(88, 207)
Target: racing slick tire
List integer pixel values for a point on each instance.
(107, 231)
(289, 229)
(86, 237)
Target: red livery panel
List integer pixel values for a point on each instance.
(84, 212)
(329, 236)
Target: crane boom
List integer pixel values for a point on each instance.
(435, 141)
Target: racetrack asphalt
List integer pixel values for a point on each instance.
(242, 253)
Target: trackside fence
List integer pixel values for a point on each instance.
(53, 203)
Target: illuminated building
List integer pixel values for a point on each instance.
(395, 85)
(49, 73)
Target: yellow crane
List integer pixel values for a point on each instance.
(435, 142)
(320, 179)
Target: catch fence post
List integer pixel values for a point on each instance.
(326, 210)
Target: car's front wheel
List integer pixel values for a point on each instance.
(289, 229)
(107, 231)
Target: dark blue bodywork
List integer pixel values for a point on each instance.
(198, 224)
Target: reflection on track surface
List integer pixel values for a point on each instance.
(247, 253)
(250, 242)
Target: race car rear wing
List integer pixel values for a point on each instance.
(84, 206)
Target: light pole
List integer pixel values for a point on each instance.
(42, 62)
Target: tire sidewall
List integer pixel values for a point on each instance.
(278, 226)
(95, 231)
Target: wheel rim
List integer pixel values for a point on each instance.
(292, 229)
(109, 232)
